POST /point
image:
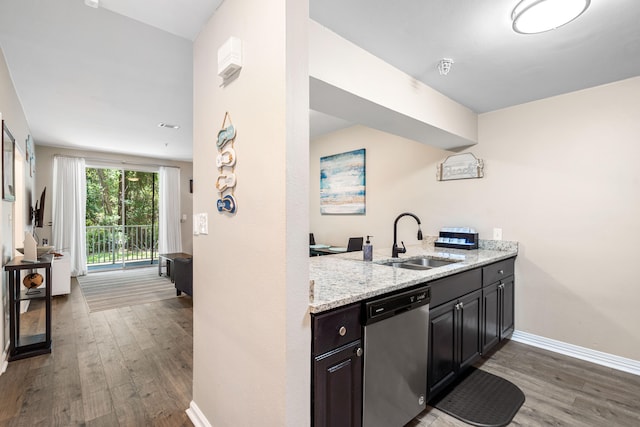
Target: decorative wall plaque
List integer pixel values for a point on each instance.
(460, 166)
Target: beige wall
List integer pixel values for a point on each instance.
(251, 326)
(14, 118)
(561, 177)
(44, 172)
(400, 177)
(401, 106)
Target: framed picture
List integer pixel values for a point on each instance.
(342, 183)
(8, 155)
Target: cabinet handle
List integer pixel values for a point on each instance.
(461, 305)
(501, 286)
(342, 331)
(359, 351)
(500, 271)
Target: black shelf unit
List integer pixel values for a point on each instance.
(470, 240)
(35, 344)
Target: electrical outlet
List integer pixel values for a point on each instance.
(497, 234)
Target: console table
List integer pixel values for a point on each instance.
(170, 257)
(27, 345)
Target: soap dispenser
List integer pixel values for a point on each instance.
(367, 250)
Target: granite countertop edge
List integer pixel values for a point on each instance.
(343, 279)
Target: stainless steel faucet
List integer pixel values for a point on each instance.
(396, 250)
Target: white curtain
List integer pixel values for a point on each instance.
(68, 212)
(169, 236)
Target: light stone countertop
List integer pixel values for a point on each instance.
(341, 279)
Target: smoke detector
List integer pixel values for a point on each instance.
(444, 66)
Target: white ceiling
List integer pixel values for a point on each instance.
(104, 78)
(494, 67)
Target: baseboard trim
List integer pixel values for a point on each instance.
(5, 363)
(196, 416)
(598, 357)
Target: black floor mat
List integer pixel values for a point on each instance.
(481, 399)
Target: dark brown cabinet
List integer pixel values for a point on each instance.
(491, 317)
(497, 303)
(337, 368)
(455, 340)
(338, 387)
(470, 312)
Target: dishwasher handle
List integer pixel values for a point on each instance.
(392, 305)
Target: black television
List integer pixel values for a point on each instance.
(38, 212)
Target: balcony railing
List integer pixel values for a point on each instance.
(116, 244)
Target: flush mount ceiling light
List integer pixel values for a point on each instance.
(92, 3)
(538, 16)
(444, 66)
(168, 126)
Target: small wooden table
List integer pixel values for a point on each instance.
(170, 257)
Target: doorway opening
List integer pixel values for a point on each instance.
(121, 218)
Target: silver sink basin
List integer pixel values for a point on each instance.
(429, 262)
(418, 263)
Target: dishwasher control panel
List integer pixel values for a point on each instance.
(391, 305)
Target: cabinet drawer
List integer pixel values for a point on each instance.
(448, 288)
(336, 328)
(495, 272)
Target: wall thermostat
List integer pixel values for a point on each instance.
(230, 58)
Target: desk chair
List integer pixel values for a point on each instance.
(355, 244)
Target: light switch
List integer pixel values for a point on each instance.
(196, 225)
(203, 223)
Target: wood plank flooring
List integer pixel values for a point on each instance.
(129, 366)
(133, 367)
(559, 390)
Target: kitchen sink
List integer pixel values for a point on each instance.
(422, 263)
(430, 262)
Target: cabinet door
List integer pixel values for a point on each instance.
(507, 309)
(337, 382)
(490, 317)
(470, 329)
(442, 364)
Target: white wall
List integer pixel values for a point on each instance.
(251, 325)
(561, 177)
(44, 172)
(14, 118)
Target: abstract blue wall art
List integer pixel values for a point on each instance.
(342, 183)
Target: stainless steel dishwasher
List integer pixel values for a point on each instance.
(396, 344)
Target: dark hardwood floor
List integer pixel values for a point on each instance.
(133, 367)
(123, 367)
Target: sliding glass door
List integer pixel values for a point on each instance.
(121, 218)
